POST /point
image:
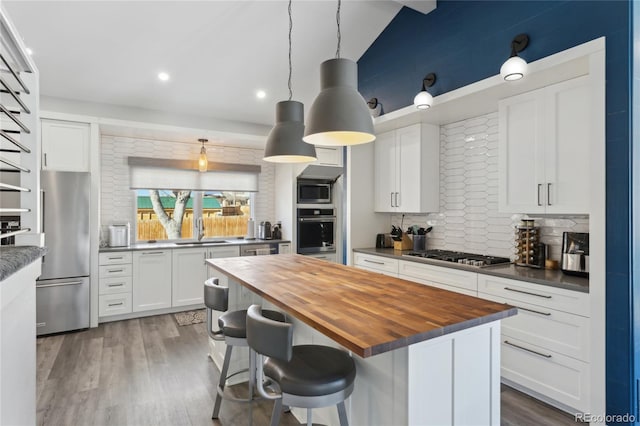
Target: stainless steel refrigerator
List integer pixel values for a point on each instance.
(62, 291)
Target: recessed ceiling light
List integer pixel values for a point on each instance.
(261, 94)
(29, 51)
(163, 76)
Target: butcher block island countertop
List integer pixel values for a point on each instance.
(367, 313)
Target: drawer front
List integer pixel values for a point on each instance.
(115, 258)
(111, 271)
(114, 304)
(437, 275)
(557, 331)
(556, 376)
(573, 302)
(115, 285)
(439, 285)
(376, 263)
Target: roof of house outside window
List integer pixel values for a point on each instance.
(144, 202)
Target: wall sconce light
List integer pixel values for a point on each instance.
(203, 162)
(515, 67)
(424, 100)
(375, 107)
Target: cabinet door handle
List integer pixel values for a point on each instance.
(115, 285)
(391, 202)
(539, 187)
(528, 292)
(152, 253)
(397, 202)
(548, 194)
(45, 159)
(115, 270)
(527, 349)
(373, 261)
(546, 314)
(115, 258)
(116, 304)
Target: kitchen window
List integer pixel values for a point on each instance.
(165, 214)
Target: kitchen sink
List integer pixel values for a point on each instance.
(189, 243)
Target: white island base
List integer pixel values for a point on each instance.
(448, 380)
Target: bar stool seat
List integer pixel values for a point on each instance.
(312, 371)
(233, 332)
(305, 376)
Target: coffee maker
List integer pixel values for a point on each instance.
(575, 253)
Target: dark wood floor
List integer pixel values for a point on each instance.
(150, 371)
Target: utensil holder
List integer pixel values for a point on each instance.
(419, 242)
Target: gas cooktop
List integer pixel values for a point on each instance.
(469, 259)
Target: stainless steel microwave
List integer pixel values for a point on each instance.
(314, 192)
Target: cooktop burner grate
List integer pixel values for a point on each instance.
(470, 259)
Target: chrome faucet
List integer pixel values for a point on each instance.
(200, 224)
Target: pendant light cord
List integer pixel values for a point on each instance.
(339, 35)
(290, 66)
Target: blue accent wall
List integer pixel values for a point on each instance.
(466, 41)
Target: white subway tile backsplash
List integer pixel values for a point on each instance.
(468, 219)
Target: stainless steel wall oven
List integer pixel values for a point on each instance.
(316, 230)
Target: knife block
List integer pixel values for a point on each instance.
(405, 244)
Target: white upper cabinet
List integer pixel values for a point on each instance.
(407, 170)
(65, 146)
(328, 156)
(544, 150)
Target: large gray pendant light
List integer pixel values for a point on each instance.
(339, 116)
(284, 143)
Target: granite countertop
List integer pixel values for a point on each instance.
(203, 243)
(14, 258)
(554, 278)
(366, 312)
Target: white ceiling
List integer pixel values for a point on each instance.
(218, 53)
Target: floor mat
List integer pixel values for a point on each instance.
(191, 317)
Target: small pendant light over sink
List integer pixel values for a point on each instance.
(284, 143)
(203, 162)
(339, 116)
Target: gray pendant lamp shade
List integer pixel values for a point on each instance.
(339, 116)
(284, 143)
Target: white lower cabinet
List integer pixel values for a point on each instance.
(114, 304)
(114, 283)
(379, 264)
(545, 348)
(188, 275)
(445, 278)
(555, 376)
(151, 280)
(328, 257)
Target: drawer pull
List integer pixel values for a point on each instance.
(526, 349)
(151, 253)
(115, 285)
(116, 258)
(373, 261)
(534, 311)
(115, 270)
(528, 292)
(116, 304)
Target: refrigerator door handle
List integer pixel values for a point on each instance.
(59, 284)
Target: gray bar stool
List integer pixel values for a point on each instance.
(305, 376)
(233, 331)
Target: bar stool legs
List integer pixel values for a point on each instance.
(223, 381)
